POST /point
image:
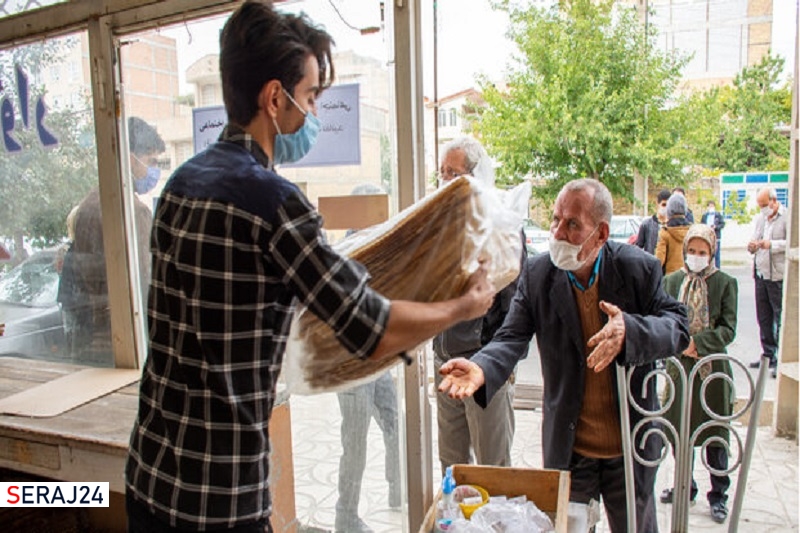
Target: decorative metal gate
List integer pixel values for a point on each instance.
(684, 440)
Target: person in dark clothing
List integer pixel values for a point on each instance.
(83, 287)
(714, 220)
(648, 231)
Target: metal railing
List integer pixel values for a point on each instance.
(685, 440)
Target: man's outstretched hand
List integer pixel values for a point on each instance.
(462, 378)
(607, 342)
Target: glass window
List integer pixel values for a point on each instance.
(453, 117)
(442, 118)
(726, 11)
(54, 298)
(308, 488)
(724, 50)
(209, 95)
(692, 42)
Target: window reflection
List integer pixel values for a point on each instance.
(47, 165)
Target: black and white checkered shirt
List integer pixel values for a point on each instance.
(233, 246)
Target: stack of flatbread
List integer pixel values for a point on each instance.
(426, 254)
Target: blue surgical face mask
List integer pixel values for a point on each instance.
(150, 180)
(291, 147)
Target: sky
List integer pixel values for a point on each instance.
(471, 37)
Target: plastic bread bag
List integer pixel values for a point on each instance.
(425, 253)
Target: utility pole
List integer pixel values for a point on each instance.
(435, 87)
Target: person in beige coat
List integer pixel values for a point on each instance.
(669, 249)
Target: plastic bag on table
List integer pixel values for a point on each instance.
(425, 253)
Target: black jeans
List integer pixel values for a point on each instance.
(768, 310)
(141, 520)
(717, 458)
(593, 478)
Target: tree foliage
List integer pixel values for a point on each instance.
(40, 185)
(735, 127)
(588, 96)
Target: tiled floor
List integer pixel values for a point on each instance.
(770, 503)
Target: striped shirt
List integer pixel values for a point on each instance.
(234, 246)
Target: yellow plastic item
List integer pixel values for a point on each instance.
(469, 509)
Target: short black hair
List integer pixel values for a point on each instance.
(259, 44)
(143, 138)
(680, 190)
(663, 195)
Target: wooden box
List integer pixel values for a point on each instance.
(548, 489)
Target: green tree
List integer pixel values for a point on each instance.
(735, 127)
(39, 184)
(589, 96)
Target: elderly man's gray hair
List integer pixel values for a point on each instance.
(602, 204)
(773, 194)
(479, 164)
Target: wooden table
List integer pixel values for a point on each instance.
(90, 442)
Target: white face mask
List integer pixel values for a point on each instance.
(766, 211)
(662, 212)
(564, 255)
(696, 263)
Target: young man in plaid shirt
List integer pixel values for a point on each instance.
(233, 246)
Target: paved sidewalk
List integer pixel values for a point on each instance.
(770, 505)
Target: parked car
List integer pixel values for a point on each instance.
(624, 228)
(28, 308)
(535, 237)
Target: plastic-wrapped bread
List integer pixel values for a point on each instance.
(425, 253)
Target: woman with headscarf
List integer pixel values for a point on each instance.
(710, 296)
(671, 237)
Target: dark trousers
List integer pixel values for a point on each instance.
(592, 479)
(717, 254)
(717, 458)
(141, 520)
(769, 296)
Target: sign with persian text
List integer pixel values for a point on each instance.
(339, 141)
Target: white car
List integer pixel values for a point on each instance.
(535, 237)
(624, 228)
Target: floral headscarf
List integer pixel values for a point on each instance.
(694, 290)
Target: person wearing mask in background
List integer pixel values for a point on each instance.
(714, 220)
(711, 298)
(768, 244)
(83, 286)
(669, 248)
(234, 247)
(358, 406)
(689, 213)
(611, 295)
(648, 231)
(467, 431)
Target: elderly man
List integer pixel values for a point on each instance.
(591, 302)
(768, 245)
(467, 431)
